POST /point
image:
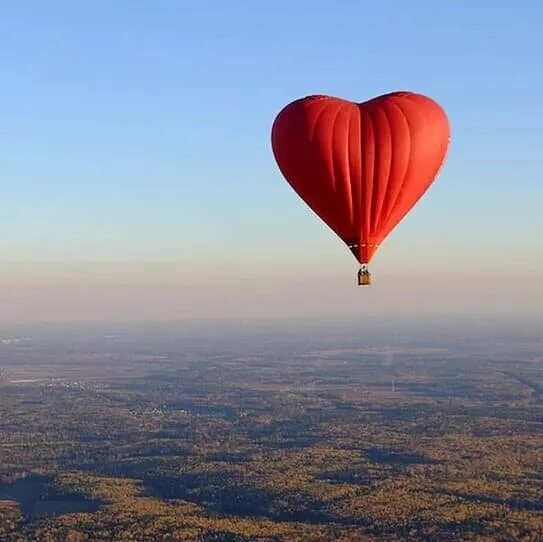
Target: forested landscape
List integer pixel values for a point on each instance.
(274, 433)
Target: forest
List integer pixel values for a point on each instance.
(271, 435)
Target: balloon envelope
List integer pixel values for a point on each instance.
(361, 166)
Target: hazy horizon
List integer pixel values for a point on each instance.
(92, 292)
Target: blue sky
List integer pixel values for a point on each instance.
(138, 131)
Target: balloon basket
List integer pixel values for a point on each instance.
(364, 277)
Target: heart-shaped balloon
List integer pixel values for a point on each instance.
(361, 167)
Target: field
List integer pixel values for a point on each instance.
(279, 432)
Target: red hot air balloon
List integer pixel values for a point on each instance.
(361, 167)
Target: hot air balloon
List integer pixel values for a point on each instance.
(361, 167)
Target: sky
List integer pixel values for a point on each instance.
(138, 181)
